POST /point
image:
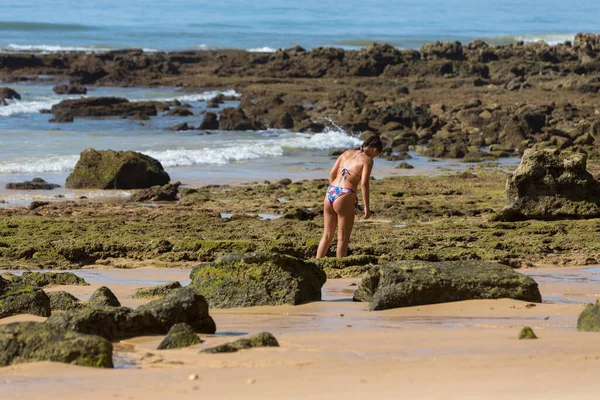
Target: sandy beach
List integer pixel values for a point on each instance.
(337, 349)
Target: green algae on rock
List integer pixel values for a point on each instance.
(23, 342)
(258, 279)
(156, 291)
(589, 319)
(43, 279)
(264, 339)
(413, 283)
(111, 169)
(154, 318)
(347, 267)
(63, 301)
(527, 333)
(102, 297)
(179, 336)
(18, 298)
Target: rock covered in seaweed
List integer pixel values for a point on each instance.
(413, 283)
(18, 298)
(264, 339)
(258, 279)
(589, 319)
(44, 279)
(33, 341)
(179, 336)
(102, 297)
(34, 184)
(63, 301)
(154, 318)
(109, 169)
(156, 291)
(550, 184)
(169, 192)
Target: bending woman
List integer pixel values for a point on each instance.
(352, 168)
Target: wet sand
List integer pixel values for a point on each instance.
(337, 349)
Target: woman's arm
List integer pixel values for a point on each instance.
(334, 171)
(365, 180)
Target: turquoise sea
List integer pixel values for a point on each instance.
(45, 25)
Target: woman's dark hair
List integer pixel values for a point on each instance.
(373, 142)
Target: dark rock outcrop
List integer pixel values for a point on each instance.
(209, 122)
(16, 298)
(181, 127)
(8, 94)
(413, 283)
(179, 336)
(105, 107)
(179, 112)
(34, 184)
(258, 279)
(154, 318)
(235, 119)
(103, 297)
(33, 341)
(264, 339)
(43, 279)
(111, 169)
(549, 184)
(589, 319)
(156, 291)
(70, 89)
(63, 301)
(167, 192)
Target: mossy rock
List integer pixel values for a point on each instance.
(154, 318)
(264, 339)
(43, 279)
(347, 267)
(116, 170)
(413, 283)
(63, 301)
(258, 279)
(156, 291)
(18, 299)
(589, 319)
(24, 342)
(179, 336)
(527, 333)
(103, 297)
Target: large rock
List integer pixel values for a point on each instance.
(16, 298)
(111, 169)
(264, 339)
(64, 301)
(8, 94)
(156, 291)
(209, 122)
(549, 184)
(413, 283)
(43, 279)
(154, 318)
(258, 279)
(179, 336)
(169, 192)
(70, 89)
(589, 319)
(34, 184)
(105, 107)
(23, 342)
(103, 297)
(235, 119)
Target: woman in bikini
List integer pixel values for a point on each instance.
(352, 168)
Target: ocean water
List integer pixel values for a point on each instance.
(265, 25)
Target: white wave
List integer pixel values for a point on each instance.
(29, 106)
(550, 39)
(219, 153)
(265, 49)
(206, 95)
(48, 49)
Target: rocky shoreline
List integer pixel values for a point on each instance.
(452, 100)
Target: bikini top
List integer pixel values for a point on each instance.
(346, 171)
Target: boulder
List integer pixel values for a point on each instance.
(179, 336)
(549, 184)
(264, 339)
(70, 89)
(156, 291)
(34, 184)
(181, 127)
(209, 122)
(215, 101)
(63, 301)
(154, 318)
(33, 341)
(235, 119)
(109, 169)
(34, 205)
(258, 279)
(16, 298)
(414, 283)
(443, 50)
(103, 297)
(8, 94)
(167, 192)
(179, 112)
(62, 117)
(589, 319)
(104, 107)
(43, 279)
(527, 333)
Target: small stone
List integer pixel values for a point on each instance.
(251, 381)
(527, 333)
(193, 377)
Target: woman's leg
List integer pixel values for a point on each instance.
(344, 207)
(328, 228)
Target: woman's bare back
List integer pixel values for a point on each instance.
(349, 169)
